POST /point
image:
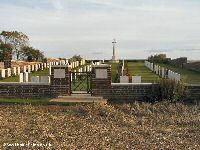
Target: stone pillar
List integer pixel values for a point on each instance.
(102, 79)
(60, 80)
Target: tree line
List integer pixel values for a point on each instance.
(14, 44)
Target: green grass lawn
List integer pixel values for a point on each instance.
(138, 69)
(16, 78)
(114, 67)
(41, 101)
(188, 76)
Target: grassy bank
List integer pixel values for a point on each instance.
(41, 101)
(188, 76)
(138, 69)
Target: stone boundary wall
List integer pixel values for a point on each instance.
(140, 92)
(24, 90)
(194, 91)
(125, 91)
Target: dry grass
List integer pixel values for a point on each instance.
(100, 126)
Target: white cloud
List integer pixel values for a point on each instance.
(88, 26)
(57, 4)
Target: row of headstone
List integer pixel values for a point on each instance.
(82, 62)
(23, 77)
(87, 68)
(17, 70)
(74, 64)
(163, 72)
(135, 79)
(40, 79)
(174, 76)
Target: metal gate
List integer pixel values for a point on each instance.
(81, 82)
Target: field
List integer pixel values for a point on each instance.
(102, 126)
(188, 76)
(114, 70)
(138, 69)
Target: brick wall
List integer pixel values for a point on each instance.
(194, 91)
(130, 91)
(60, 86)
(141, 92)
(125, 92)
(24, 90)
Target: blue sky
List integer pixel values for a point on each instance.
(62, 28)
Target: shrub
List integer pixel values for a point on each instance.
(172, 90)
(169, 90)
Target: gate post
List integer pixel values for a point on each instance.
(60, 80)
(101, 80)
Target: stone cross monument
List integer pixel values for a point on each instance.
(114, 59)
(114, 55)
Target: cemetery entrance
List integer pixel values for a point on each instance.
(81, 83)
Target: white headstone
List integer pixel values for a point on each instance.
(45, 65)
(21, 77)
(36, 67)
(42, 67)
(32, 68)
(49, 69)
(136, 79)
(25, 78)
(24, 69)
(18, 70)
(124, 79)
(163, 72)
(45, 79)
(3, 73)
(29, 69)
(35, 79)
(9, 73)
(14, 71)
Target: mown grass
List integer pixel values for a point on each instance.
(138, 69)
(114, 70)
(188, 76)
(33, 101)
(161, 125)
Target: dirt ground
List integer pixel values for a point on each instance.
(100, 126)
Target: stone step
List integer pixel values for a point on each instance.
(60, 100)
(81, 97)
(76, 98)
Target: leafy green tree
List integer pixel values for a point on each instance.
(31, 54)
(76, 58)
(5, 51)
(16, 39)
(158, 58)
